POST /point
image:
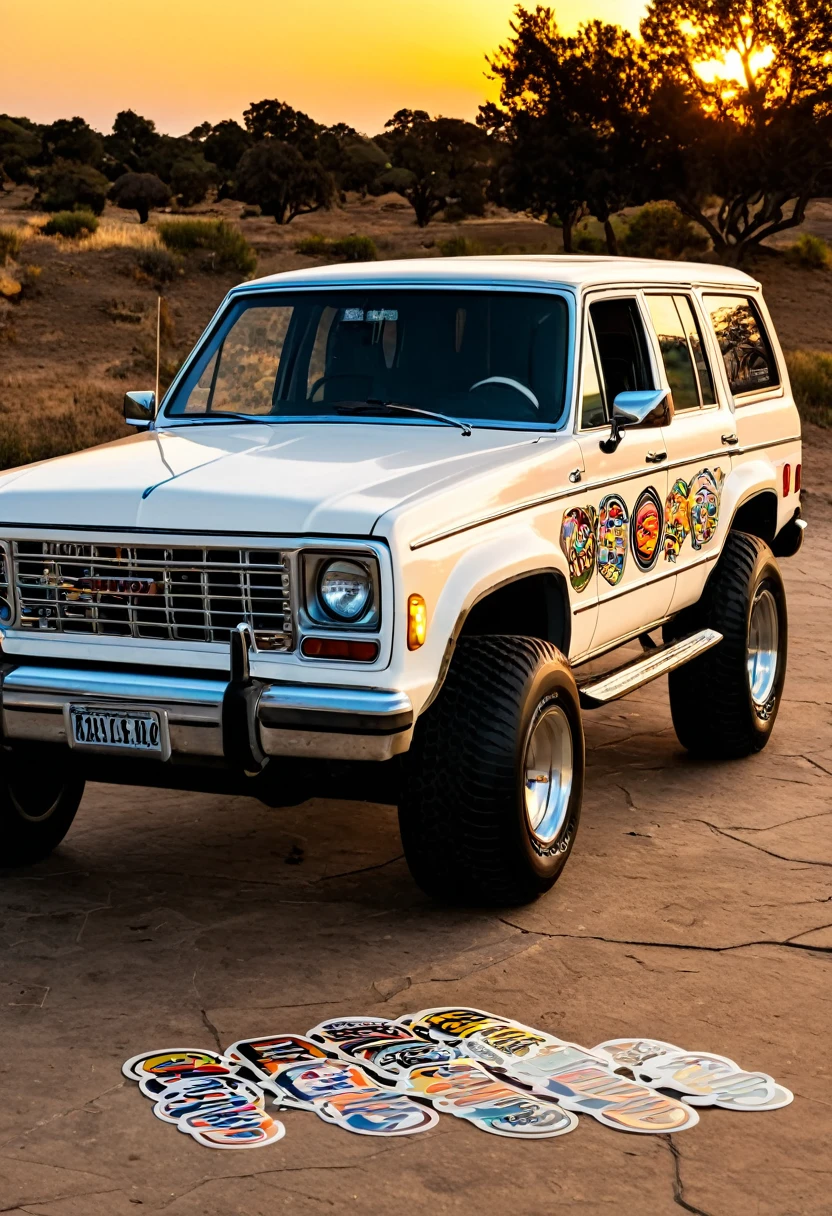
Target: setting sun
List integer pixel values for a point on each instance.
(731, 66)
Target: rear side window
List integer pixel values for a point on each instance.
(688, 374)
(749, 359)
(621, 346)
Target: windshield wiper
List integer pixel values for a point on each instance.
(371, 405)
(221, 415)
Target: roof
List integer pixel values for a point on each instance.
(565, 270)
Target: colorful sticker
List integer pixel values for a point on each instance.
(703, 501)
(613, 530)
(560, 1071)
(199, 1092)
(676, 520)
(702, 1078)
(303, 1076)
(174, 1065)
(462, 1087)
(577, 539)
(647, 526)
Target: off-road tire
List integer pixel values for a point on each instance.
(39, 796)
(714, 714)
(462, 812)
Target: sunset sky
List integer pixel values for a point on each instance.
(180, 62)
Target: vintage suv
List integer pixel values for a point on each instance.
(382, 521)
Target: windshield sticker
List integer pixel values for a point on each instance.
(560, 1071)
(577, 539)
(702, 1078)
(382, 314)
(613, 531)
(352, 314)
(647, 528)
(198, 1091)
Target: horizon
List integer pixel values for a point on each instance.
(179, 78)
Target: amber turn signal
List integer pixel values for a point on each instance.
(417, 622)
(337, 648)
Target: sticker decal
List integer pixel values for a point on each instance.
(462, 1087)
(702, 1078)
(676, 520)
(303, 1076)
(703, 502)
(200, 1092)
(577, 539)
(647, 526)
(563, 1072)
(613, 530)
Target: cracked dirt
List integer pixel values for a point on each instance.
(697, 908)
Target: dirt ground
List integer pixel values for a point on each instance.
(697, 908)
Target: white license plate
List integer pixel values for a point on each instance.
(102, 729)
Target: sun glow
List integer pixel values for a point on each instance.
(730, 68)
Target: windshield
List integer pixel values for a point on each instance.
(488, 357)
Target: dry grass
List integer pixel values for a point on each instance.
(112, 235)
(810, 372)
(87, 416)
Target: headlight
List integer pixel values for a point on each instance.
(345, 589)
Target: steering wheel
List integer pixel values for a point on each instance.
(321, 381)
(515, 384)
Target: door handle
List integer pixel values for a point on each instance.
(655, 457)
(730, 439)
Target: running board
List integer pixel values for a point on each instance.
(600, 690)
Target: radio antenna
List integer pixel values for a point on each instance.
(158, 348)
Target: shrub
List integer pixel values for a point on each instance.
(228, 248)
(347, 249)
(810, 372)
(71, 224)
(660, 230)
(141, 192)
(159, 265)
(810, 253)
(585, 242)
(67, 185)
(10, 287)
(10, 243)
(457, 247)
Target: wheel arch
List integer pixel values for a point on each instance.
(756, 514)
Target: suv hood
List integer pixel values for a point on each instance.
(279, 479)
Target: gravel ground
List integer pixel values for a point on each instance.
(697, 908)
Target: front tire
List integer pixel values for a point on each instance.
(494, 780)
(724, 703)
(39, 796)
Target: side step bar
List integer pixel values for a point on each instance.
(600, 690)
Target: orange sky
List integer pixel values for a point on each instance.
(180, 62)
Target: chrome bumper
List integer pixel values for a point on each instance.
(285, 719)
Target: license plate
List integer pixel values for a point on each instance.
(100, 728)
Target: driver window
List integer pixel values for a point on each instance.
(622, 347)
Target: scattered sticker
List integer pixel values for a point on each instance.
(613, 531)
(702, 1078)
(647, 526)
(577, 539)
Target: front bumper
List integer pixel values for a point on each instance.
(310, 721)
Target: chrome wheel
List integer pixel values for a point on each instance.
(762, 647)
(548, 768)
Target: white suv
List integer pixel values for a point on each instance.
(383, 518)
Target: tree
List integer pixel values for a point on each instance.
(20, 148)
(72, 139)
(224, 146)
(66, 186)
(570, 116)
(142, 192)
(355, 161)
(758, 134)
(436, 163)
(181, 164)
(275, 176)
(277, 120)
(131, 143)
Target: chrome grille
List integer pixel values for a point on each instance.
(168, 593)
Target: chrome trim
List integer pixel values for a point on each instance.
(323, 699)
(600, 484)
(640, 586)
(599, 691)
(60, 683)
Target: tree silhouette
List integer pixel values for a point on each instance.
(436, 163)
(276, 177)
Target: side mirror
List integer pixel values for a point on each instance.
(644, 407)
(139, 408)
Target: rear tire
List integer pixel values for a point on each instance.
(740, 681)
(494, 780)
(39, 796)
